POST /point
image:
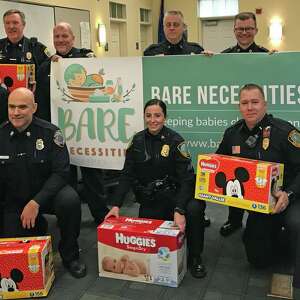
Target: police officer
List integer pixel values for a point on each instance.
(63, 40)
(34, 165)
(16, 48)
(175, 43)
(159, 169)
(245, 30)
(3, 104)
(93, 181)
(261, 136)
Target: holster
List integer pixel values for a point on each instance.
(155, 191)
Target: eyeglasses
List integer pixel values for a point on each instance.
(244, 29)
(174, 24)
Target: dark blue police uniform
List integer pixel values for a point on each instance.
(273, 140)
(34, 164)
(159, 169)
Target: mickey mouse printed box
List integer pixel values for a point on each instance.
(13, 76)
(239, 182)
(143, 250)
(26, 267)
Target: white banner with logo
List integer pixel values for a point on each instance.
(98, 105)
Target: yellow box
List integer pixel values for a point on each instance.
(239, 182)
(26, 267)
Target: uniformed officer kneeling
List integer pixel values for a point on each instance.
(34, 169)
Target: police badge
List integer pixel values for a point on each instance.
(165, 150)
(29, 55)
(39, 144)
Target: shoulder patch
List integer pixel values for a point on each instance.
(183, 149)
(129, 143)
(47, 52)
(294, 138)
(58, 139)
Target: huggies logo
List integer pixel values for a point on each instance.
(133, 240)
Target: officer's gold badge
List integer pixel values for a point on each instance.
(28, 55)
(183, 150)
(39, 144)
(294, 138)
(266, 137)
(165, 150)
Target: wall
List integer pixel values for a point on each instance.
(99, 12)
(287, 10)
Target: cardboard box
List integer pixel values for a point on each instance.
(26, 267)
(13, 76)
(144, 250)
(239, 182)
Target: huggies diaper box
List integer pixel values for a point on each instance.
(26, 267)
(13, 76)
(144, 250)
(239, 182)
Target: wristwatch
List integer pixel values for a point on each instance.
(179, 210)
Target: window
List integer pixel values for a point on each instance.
(217, 8)
(144, 15)
(117, 10)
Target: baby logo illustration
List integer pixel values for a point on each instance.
(84, 87)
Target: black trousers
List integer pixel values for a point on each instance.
(66, 206)
(262, 233)
(93, 191)
(194, 220)
(235, 215)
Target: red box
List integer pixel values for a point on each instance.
(26, 267)
(239, 182)
(13, 76)
(143, 250)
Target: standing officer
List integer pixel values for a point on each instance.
(16, 48)
(245, 30)
(159, 169)
(261, 136)
(34, 165)
(175, 43)
(93, 182)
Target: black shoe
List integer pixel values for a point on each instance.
(197, 269)
(229, 228)
(206, 221)
(76, 268)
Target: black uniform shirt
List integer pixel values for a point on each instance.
(34, 164)
(166, 48)
(252, 48)
(152, 157)
(26, 51)
(42, 93)
(283, 146)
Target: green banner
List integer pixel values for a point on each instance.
(201, 92)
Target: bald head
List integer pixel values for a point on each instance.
(63, 38)
(21, 107)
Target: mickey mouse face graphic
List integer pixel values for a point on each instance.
(10, 284)
(233, 187)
